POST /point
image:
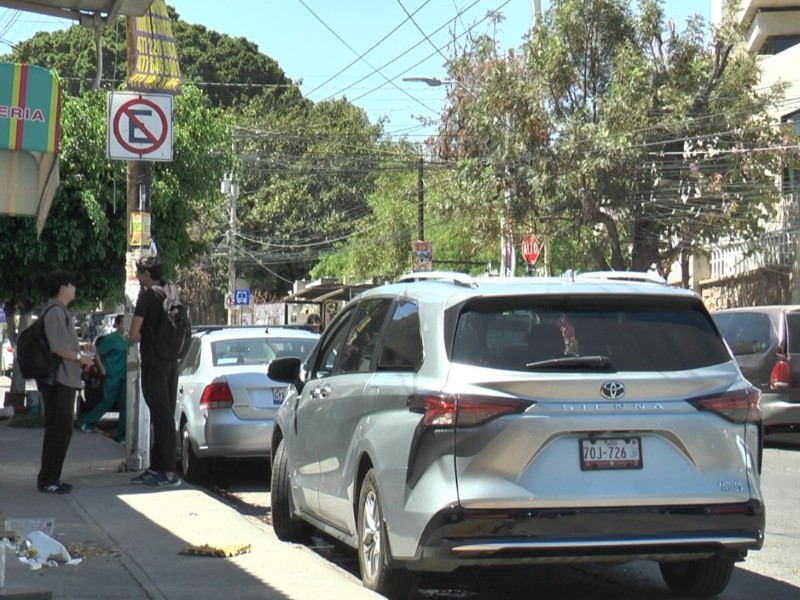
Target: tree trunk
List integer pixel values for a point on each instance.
(645, 245)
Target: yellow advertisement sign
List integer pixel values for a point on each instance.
(152, 53)
(140, 229)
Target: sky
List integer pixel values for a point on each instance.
(360, 49)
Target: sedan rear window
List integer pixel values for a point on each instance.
(745, 332)
(622, 334)
(258, 351)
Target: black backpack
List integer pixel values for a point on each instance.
(174, 332)
(33, 350)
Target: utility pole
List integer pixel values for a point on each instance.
(420, 202)
(230, 188)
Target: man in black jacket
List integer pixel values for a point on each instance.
(159, 375)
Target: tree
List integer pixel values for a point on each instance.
(307, 172)
(86, 228)
(614, 129)
(228, 69)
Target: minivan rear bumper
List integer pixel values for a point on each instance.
(456, 537)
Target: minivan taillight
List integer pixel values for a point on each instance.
(443, 410)
(741, 406)
(216, 395)
(781, 376)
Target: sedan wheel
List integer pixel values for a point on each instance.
(373, 550)
(698, 578)
(193, 468)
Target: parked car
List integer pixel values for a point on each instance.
(7, 358)
(458, 421)
(226, 402)
(765, 340)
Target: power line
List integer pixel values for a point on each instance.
(349, 47)
(371, 48)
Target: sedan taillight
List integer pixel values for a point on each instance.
(441, 410)
(216, 395)
(781, 376)
(741, 406)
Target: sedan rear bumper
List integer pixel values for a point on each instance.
(225, 435)
(456, 538)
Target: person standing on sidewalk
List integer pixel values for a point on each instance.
(159, 375)
(58, 390)
(111, 359)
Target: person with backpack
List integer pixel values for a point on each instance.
(58, 388)
(150, 327)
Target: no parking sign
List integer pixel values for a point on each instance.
(139, 126)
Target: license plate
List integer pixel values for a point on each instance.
(278, 395)
(610, 453)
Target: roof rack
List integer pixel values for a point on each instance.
(636, 276)
(461, 279)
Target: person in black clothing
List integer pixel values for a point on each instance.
(58, 389)
(159, 375)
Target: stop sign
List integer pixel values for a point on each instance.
(530, 248)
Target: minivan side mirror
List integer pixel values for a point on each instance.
(286, 370)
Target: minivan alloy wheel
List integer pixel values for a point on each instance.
(373, 550)
(371, 536)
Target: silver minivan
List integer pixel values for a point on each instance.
(450, 422)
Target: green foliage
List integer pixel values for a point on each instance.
(85, 231)
(307, 173)
(622, 141)
(228, 69)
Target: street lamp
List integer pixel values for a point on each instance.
(436, 82)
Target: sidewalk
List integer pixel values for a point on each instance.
(132, 536)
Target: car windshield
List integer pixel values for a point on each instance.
(621, 334)
(258, 351)
(745, 332)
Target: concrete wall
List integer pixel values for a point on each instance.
(761, 287)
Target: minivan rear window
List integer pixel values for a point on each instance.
(745, 332)
(630, 333)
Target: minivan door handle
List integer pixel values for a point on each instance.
(321, 392)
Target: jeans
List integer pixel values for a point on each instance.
(160, 391)
(59, 414)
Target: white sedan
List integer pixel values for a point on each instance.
(226, 402)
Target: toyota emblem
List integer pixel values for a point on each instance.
(612, 390)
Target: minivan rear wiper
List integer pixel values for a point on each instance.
(598, 362)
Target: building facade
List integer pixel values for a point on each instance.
(763, 270)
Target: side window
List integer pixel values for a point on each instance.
(793, 333)
(192, 358)
(363, 336)
(332, 344)
(402, 346)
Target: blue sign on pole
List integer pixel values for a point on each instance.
(241, 297)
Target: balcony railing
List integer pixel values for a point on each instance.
(772, 249)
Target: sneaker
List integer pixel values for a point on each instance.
(161, 480)
(87, 428)
(56, 488)
(65, 484)
(144, 477)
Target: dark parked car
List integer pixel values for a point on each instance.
(765, 340)
(440, 424)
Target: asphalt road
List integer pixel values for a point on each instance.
(772, 573)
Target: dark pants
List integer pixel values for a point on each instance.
(114, 395)
(160, 391)
(59, 414)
